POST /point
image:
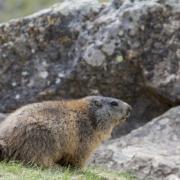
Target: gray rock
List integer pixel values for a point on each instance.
(125, 49)
(150, 152)
(2, 117)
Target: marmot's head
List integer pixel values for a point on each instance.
(107, 112)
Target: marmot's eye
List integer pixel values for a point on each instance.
(98, 103)
(114, 103)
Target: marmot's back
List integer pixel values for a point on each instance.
(59, 132)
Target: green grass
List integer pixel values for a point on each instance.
(19, 8)
(15, 171)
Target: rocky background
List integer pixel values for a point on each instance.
(129, 49)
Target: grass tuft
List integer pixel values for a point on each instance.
(16, 171)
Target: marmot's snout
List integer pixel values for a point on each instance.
(126, 108)
(128, 111)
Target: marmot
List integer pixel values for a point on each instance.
(60, 132)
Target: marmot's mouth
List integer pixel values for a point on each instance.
(124, 119)
(120, 121)
(127, 115)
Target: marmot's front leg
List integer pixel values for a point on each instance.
(79, 161)
(46, 162)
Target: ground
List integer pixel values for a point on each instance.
(16, 171)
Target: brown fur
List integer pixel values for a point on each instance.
(59, 132)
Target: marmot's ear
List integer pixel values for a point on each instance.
(97, 103)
